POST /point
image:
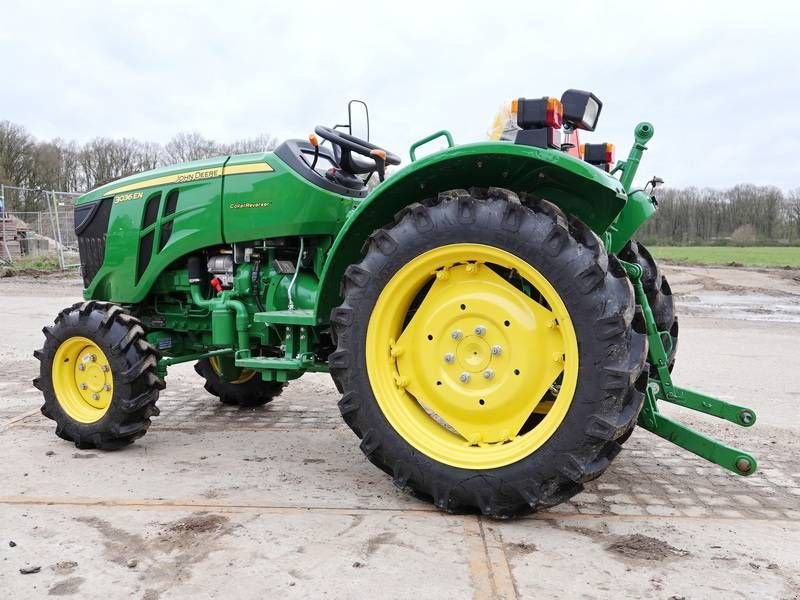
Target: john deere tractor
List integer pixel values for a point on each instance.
(494, 328)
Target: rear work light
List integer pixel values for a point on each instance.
(599, 155)
(541, 112)
(540, 122)
(581, 109)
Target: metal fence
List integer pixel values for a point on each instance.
(43, 221)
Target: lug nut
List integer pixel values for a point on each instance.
(480, 331)
(93, 358)
(81, 367)
(449, 357)
(464, 378)
(105, 368)
(84, 386)
(95, 396)
(497, 350)
(107, 387)
(488, 374)
(456, 335)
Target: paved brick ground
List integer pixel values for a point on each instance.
(650, 477)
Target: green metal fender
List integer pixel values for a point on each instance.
(576, 187)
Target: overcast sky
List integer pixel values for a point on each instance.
(721, 83)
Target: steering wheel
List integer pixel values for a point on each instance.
(345, 145)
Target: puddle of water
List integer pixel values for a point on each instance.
(750, 307)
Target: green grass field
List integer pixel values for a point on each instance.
(747, 256)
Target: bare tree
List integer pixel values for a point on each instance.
(103, 160)
(260, 143)
(16, 146)
(793, 213)
(189, 146)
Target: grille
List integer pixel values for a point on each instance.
(91, 227)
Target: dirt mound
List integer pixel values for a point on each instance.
(645, 547)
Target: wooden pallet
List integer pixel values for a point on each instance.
(11, 231)
(10, 247)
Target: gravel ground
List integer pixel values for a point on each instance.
(279, 502)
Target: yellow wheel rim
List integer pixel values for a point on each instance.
(82, 379)
(245, 376)
(482, 370)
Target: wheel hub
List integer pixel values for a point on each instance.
(93, 379)
(473, 354)
(500, 345)
(82, 379)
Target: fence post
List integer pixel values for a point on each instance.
(3, 221)
(59, 243)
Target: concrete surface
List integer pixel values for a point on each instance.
(279, 502)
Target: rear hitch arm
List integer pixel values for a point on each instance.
(661, 387)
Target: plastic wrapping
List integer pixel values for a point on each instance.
(504, 125)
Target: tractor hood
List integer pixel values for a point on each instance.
(196, 170)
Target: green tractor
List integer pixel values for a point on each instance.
(495, 330)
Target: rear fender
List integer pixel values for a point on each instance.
(575, 186)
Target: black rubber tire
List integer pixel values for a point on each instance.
(133, 364)
(254, 392)
(612, 350)
(659, 295)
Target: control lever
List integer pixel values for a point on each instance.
(314, 141)
(379, 156)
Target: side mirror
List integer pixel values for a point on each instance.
(358, 119)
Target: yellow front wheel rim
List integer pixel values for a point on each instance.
(472, 356)
(82, 379)
(245, 376)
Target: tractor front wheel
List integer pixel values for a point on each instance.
(98, 376)
(487, 354)
(246, 389)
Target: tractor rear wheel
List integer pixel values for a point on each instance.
(247, 389)
(487, 354)
(659, 295)
(98, 376)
